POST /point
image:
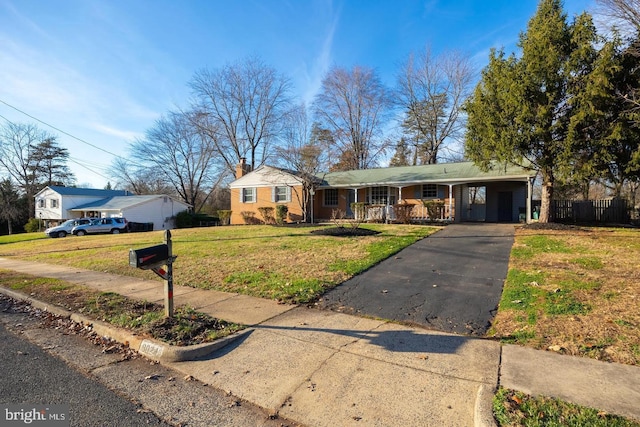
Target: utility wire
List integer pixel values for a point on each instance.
(59, 130)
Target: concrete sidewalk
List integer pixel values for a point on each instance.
(322, 368)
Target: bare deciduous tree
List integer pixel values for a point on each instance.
(432, 90)
(302, 153)
(183, 155)
(137, 179)
(353, 105)
(621, 12)
(241, 106)
(18, 144)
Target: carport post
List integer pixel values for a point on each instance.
(450, 201)
(168, 283)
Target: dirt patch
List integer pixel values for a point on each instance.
(344, 232)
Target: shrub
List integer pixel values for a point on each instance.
(434, 208)
(249, 218)
(33, 225)
(403, 212)
(225, 217)
(184, 219)
(281, 214)
(267, 214)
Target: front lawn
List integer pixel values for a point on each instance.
(289, 264)
(574, 291)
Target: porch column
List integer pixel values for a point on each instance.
(450, 200)
(529, 200)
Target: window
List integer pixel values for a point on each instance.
(477, 195)
(429, 191)
(281, 194)
(41, 203)
(54, 203)
(379, 195)
(331, 197)
(248, 195)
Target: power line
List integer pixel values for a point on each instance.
(71, 159)
(60, 130)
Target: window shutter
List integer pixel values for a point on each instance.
(441, 194)
(273, 194)
(417, 192)
(288, 194)
(242, 195)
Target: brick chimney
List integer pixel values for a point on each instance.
(242, 168)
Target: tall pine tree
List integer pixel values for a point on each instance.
(520, 111)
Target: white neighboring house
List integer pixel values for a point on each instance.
(55, 204)
(160, 210)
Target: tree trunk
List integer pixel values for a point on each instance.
(546, 214)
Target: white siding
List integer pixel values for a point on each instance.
(160, 211)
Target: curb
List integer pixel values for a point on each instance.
(483, 409)
(148, 347)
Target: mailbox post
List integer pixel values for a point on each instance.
(168, 282)
(159, 259)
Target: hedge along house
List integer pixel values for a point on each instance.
(463, 191)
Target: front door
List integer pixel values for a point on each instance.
(505, 206)
(351, 198)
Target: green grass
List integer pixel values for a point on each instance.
(522, 291)
(377, 252)
(533, 245)
(589, 263)
(562, 302)
(513, 408)
(288, 264)
(22, 237)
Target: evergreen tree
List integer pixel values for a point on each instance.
(48, 163)
(521, 110)
(402, 154)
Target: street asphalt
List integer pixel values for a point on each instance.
(450, 281)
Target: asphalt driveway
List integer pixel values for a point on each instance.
(450, 281)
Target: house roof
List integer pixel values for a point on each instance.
(119, 203)
(91, 192)
(268, 176)
(442, 173)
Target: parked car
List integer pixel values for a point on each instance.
(66, 227)
(101, 225)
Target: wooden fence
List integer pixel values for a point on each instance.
(591, 211)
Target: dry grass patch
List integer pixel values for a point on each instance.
(288, 264)
(575, 291)
(187, 327)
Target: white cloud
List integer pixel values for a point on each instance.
(322, 62)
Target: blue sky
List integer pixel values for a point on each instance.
(104, 71)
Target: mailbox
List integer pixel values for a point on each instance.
(147, 258)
